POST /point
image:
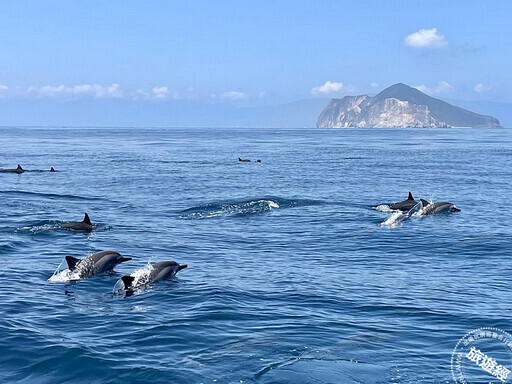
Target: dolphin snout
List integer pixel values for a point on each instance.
(182, 267)
(455, 209)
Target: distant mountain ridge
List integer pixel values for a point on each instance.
(399, 106)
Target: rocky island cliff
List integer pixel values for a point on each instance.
(399, 106)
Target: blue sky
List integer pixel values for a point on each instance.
(253, 52)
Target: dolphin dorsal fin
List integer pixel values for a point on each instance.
(72, 262)
(127, 281)
(86, 219)
(19, 167)
(424, 202)
(410, 196)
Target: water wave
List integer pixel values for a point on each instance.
(242, 208)
(50, 195)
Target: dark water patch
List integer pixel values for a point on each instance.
(243, 208)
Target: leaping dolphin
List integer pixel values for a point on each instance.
(405, 205)
(244, 160)
(92, 265)
(84, 225)
(19, 169)
(159, 271)
(441, 206)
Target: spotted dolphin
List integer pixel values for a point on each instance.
(19, 169)
(92, 265)
(84, 225)
(159, 271)
(441, 206)
(405, 205)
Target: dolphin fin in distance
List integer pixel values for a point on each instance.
(72, 262)
(86, 219)
(127, 281)
(424, 202)
(410, 196)
(19, 167)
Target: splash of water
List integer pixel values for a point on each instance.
(395, 220)
(83, 269)
(141, 278)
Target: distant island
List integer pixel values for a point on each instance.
(399, 106)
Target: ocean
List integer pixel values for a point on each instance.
(291, 277)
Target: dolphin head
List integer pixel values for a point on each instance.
(183, 266)
(453, 208)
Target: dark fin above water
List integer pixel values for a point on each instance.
(410, 196)
(86, 219)
(127, 281)
(424, 202)
(182, 267)
(125, 259)
(72, 262)
(19, 167)
(51, 169)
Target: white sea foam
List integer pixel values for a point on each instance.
(384, 208)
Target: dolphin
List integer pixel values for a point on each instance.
(52, 169)
(159, 271)
(244, 160)
(92, 265)
(84, 225)
(19, 169)
(405, 205)
(442, 206)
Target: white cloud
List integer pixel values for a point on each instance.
(327, 88)
(482, 88)
(262, 94)
(160, 92)
(234, 95)
(91, 90)
(440, 88)
(426, 38)
(374, 85)
(3, 87)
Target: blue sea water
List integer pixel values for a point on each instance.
(291, 278)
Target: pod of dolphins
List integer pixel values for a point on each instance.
(427, 207)
(105, 261)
